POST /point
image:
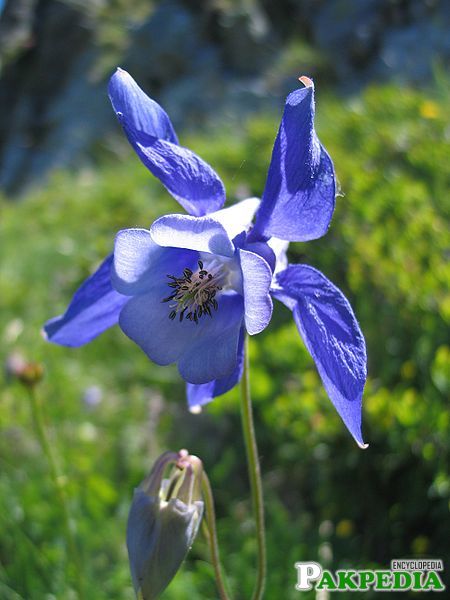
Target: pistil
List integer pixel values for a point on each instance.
(194, 293)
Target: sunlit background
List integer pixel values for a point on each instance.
(222, 69)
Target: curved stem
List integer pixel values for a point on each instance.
(58, 482)
(254, 474)
(212, 536)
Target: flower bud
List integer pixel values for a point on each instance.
(163, 521)
(27, 372)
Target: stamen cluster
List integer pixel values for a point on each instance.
(194, 294)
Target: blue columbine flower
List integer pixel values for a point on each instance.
(188, 289)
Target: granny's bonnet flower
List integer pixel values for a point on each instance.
(187, 289)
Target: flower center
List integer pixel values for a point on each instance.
(194, 294)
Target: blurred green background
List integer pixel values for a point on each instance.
(110, 412)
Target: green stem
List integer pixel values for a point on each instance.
(58, 482)
(254, 474)
(212, 536)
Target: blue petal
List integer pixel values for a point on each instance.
(190, 180)
(299, 197)
(94, 307)
(256, 279)
(212, 353)
(238, 217)
(274, 252)
(279, 248)
(332, 335)
(261, 248)
(198, 395)
(203, 234)
(204, 351)
(140, 264)
(139, 111)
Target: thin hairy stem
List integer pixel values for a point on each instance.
(58, 482)
(254, 475)
(211, 535)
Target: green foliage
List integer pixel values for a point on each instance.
(327, 500)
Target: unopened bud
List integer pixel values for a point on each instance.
(164, 519)
(27, 372)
